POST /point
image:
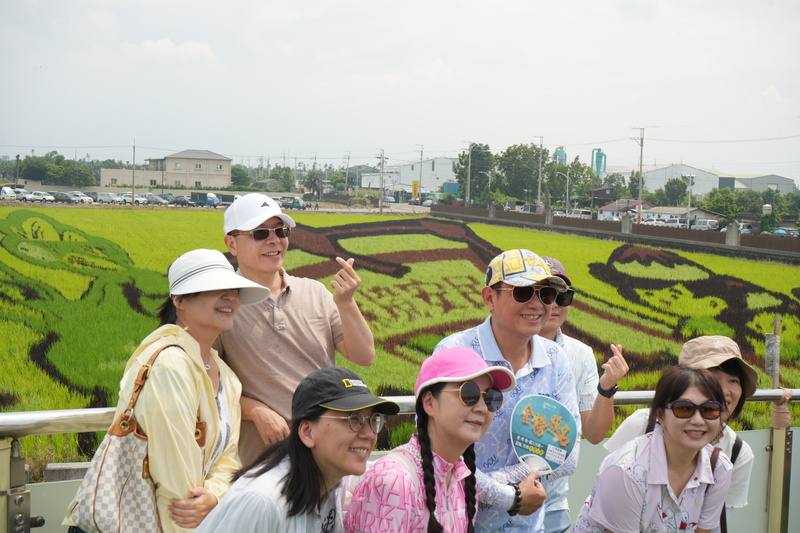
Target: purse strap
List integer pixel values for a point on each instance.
(125, 423)
(723, 520)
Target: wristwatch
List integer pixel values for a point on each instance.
(608, 393)
(517, 505)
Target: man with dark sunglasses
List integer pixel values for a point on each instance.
(519, 292)
(595, 394)
(292, 333)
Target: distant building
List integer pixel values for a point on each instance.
(190, 168)
(372, 180)
(616, 208)
(770, 181)
(431, 173)
(704, 181)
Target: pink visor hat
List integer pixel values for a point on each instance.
(461, 364)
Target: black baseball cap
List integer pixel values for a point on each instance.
(337, 389)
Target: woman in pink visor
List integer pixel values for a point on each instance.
(429, 483)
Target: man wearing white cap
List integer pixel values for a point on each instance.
(519, 293)
(296, 330)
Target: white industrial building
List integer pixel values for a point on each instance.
(431, 173)
(704, 181)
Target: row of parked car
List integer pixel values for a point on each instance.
(79, 197)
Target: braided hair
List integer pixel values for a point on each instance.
(428, 478)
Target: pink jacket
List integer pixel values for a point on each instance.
(387, 498)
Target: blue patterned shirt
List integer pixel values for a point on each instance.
(548, 373)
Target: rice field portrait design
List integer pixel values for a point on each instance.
(74, 305)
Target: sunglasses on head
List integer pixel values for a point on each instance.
(356, 422)
(470, 392)
(262, 234)
(709, 410)
(564, 299)
(547, 294)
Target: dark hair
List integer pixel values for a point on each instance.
(674, 382)
(303, 483)
(732, 367)
(427, 466)
(167, 313)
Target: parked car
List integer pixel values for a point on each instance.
(21, 193)
(154, 199)
(65, 197)
(39, 196)
(7, 193)
(182, 201)
(295, 203)
(139, 199)
(83, 197)
(389, 199)
(705, 224)
(92, 195)
(168, 196)
(681, 223)
(109, 198)
(745, 228)
(585, 214)
(429, 202)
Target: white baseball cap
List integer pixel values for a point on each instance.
(209, 270)
(252, 210)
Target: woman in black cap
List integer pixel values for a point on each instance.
(292, 486)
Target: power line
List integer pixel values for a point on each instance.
(726, 141)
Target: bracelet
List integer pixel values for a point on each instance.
(515, 507)
(608, 393)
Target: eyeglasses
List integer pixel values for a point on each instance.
(564, 299)
(470, 392)
(546, 293)
(356, 422)
(709, 410)
(262, 234)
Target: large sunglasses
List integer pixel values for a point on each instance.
(546, 293)
(470, 392)
(564, 299)
(356, 422)
(709, 410)
(262, 234)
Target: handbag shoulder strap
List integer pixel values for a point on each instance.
(723, 521)
(125, 422)
(142, 375)
(737, 447)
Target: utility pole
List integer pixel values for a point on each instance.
(640, 140)
(469, 174)
(380, 198)
(420, 168)
(539, 181)
(16, 173)
(133, 176)
(347, 172)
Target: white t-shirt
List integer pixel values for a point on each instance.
(636, 423)
(256, 505)
(584, 368)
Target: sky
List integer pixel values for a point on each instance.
(275, 79)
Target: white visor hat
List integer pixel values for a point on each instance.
(209, 270)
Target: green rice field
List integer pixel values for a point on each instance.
(79, 288)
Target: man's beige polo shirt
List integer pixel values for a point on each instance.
(275, 344)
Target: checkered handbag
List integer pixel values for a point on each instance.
(117, 493)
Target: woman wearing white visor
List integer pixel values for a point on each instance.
(189, 387)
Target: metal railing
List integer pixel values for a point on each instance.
(15, 495)
(22, 424)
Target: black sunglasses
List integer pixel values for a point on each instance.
(547, 294)
(564, 299)
(470, 392)
(709, 410)
(262, 234)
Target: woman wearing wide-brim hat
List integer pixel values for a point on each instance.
(721, 356)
